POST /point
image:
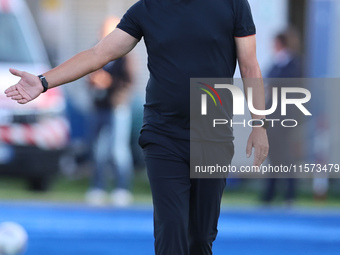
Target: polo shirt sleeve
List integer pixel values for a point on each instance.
(130, 23)
(244, 23)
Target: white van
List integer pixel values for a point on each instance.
(32, 136)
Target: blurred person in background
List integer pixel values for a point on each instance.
(111, 124)
(286, 64)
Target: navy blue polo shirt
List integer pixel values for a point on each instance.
(184, 39)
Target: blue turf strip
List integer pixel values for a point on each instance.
(67, 229)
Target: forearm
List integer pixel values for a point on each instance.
(112, 47)
(252, 78)
(76, 67)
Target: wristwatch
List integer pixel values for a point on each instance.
(44, 83)
(262, 122)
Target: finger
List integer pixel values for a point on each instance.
(262, 155)
(16, 72)
(12, 93)
(23, 101)
(10, 89)
(256, 161)
(257, 156)
(265, 155)
(249, 148)
(24, 93)
(18, 97)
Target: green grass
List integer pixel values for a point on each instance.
(65, 190)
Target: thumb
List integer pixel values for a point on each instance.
(249, 148)
(16, 72)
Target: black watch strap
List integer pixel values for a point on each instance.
(43, 82)
(262, 122)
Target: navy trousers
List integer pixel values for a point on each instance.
(186, 211)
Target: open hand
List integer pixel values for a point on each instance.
(28, 88)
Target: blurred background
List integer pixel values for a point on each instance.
(52, 148)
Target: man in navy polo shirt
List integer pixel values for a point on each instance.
(184, 39)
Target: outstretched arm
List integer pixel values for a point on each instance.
(252, 77)
(114, 46)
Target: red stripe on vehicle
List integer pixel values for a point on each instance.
(5, 134)
(29, 134)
